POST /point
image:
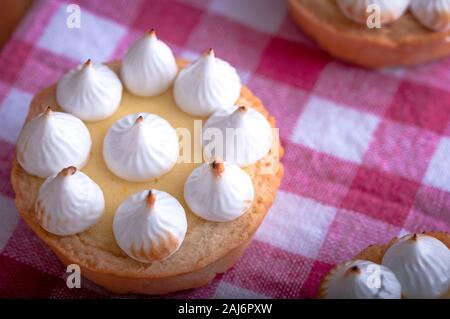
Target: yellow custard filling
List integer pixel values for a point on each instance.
(115, 189)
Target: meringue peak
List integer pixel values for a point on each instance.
(91, 92)
(149, 67)
(207, 85)
(210, 53)
(48, 111)
(151, 33)
(52, 141)
(139, 119)
(140, 147)
(242, 109)
(149, 234)
(218, 167)
(88, 63)
(355, 270)
(67, 171)
(219, 191)
(422, 265)
(354, 280)
(69, 202)
(151, 199)
(250, 139)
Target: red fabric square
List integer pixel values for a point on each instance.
(61, 291)
(418, 222)
(363, 89)
(434, 74)
(283, 101)
(172, 21)
(381, 195)
(4, 90)
(196, 3)
(289, 30)
(316, 175)
(118, 10)
(204, 292)
(312, 283)
(422, 106)
(27, 248)
(284, 278)
(433, 203)
(401, 150)
(233, 42)
(42, 69)
(293, 63)
(18, 280)
(7, 154)
(12, 59)
(33, 25)
(351, 232)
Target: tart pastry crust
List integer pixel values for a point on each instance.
(221, 244)
(403, 42)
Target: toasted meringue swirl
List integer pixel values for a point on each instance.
(421, 264)
(140, 147)
(357, 10)
(149, 67)
(52, 141)
(245, 135)
(90, 92)
(150, 226)
(219, 191)
(69, 202)
(207, 85)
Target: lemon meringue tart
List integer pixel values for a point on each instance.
(409, 31)
(415, 266)
(106, 186)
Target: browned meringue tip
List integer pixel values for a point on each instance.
(87, 63)
(151, 199)
(67, 171)
(355, 270)
(48, 111)
(209, 52)
(414, 237)
(218, 167)
(139, 119)
(151, 32)
(242, 108)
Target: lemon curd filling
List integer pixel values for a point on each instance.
(115, 189)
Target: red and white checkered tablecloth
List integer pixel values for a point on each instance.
(367, 152)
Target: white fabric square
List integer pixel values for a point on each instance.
(229, 291)
(262, 15)
(438, 172)
(9, 218)
(13, 112)
(96, 39)
(296, 224)
(334, 129)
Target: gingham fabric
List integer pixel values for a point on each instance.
(367, 152)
